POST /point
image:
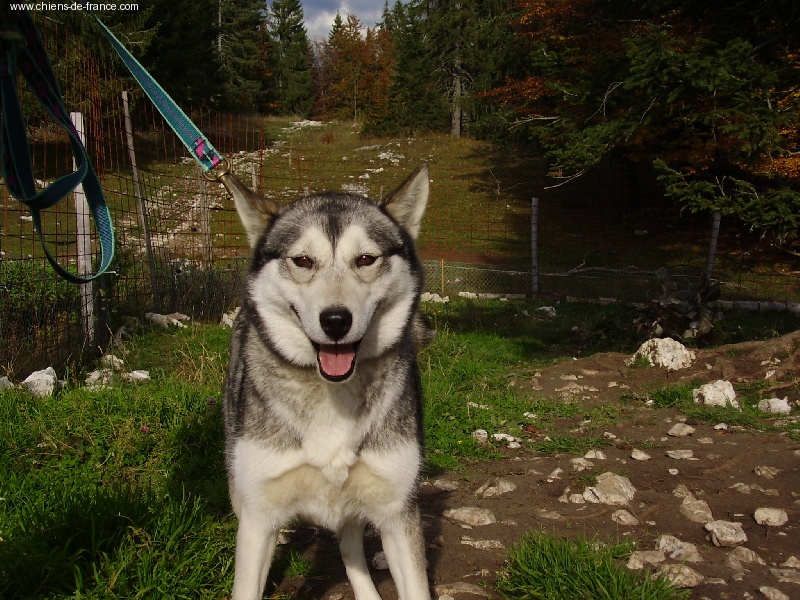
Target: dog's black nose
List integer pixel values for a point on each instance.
(336, 322)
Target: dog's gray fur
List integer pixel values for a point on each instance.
(322, 403)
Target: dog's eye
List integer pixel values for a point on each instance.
(304, 262)
(366, 260)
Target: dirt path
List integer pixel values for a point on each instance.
(733, 471)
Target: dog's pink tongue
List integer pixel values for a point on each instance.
(336, 360)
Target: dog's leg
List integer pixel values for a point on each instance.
(404, 546)
(256, 540)
(351, 545)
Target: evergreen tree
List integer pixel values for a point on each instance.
(413, 102)
(445, 54)
(471, 44)
(290, 61)
(241, 54)
(182, 54)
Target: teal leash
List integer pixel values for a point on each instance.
(198, 145)
(21, 49)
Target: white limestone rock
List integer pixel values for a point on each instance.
(680, 454)
(581, 464)
(496, 487)
(775, 406)
(111, 361)
(41, 383)
(595, 454)
(173, 320)
(510, 440)
(766, 471)
(697, 511)
(786, 575)
(446, 485)
(725, 533)
(623, 517)
(229, 318)
(678, 549)
(100, 379)
(681, 430)
(480, 435)
(640, 558)
(771, 593)
(482, 544)
(681, 576)
(716, 393)
(137, 376)
(435, 298)
(612, 489)
(460, 587)
(771, 517)
(740, 555)
(547, 311)
(665, 353)
(791, 563)
(471, 515)
(379, 561)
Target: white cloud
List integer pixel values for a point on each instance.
(319, 14)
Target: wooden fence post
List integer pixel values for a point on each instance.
(204, 221)
(143, 218)
(83, 241)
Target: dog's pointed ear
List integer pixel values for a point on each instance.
(255, 211)
(407, 203)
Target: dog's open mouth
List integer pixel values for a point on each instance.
(336, 361)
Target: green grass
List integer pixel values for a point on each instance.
(567, 444)
(747, 415)
(122, 493)
(113, 494)
(545, 567)
(480, 348)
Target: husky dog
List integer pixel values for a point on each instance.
(322, 403)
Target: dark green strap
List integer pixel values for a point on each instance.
(29, 57)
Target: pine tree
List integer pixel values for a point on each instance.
(471, 44)
(240, 50)
(413, 102)
(186, 30)
(290, 60)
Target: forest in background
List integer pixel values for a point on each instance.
(701, 95)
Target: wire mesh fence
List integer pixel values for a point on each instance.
(180, 246)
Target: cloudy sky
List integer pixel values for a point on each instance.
(319, 14)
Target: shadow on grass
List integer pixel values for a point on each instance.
(58, 541)
(198, 467)
(578, 329)
(87, 524)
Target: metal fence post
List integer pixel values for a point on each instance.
(534, 246)
(712, 246)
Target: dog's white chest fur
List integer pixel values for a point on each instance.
(327, 479)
